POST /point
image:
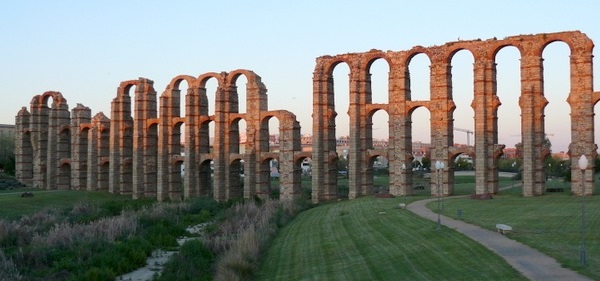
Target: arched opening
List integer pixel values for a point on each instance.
(205, 138)
(103, 174)
(274, 134)
(379, 71)
(237, 137)
(182, 105)
(462, 95)
(176, 180)
(236, 182)
(211, 87)
(379, 131)
(508, 84)
(205, 177)
(556, 90)
(303, 171)
(341, 99)
(241, 85)
(557, 125)
(420, 133)
(420, 73)
(264, 186)
(64, 177)
(381, 175)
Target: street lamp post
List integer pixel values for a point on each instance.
(515, 176)
(439, 166)
(405, 180)
(583, 162)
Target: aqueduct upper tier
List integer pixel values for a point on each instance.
(441, 106)
(138, 150)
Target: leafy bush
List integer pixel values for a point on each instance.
(193, 262)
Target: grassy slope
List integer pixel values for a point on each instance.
(351, 240)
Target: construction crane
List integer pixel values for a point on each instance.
(469, 132)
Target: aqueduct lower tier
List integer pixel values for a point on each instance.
(138, 151)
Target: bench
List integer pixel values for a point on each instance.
(555, 189)
(402, 206)
(503, 228)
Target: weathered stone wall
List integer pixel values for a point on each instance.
(138, 150)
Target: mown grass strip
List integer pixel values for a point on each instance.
(371, 239)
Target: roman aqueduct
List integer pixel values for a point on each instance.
(137, 150)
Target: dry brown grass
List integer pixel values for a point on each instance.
(8, 269)
(104, 229)
(240, 240)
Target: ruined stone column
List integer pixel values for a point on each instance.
(59, 145)
(80, 133)
(144, 146)
(289, 142)
(102, 163)
(23, 148)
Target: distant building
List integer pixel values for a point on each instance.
(7, 130)
(509, 153)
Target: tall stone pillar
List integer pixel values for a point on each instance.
(485, 105)
(162, 187)
(581, 99)
(358, 170)
(191, 150)
(143, 172)
(99, 153)
(532, 103)
(323, 131)
(59, 145)
(400, 140)
(442, 132)
(220, 143)
(80, 133)
(23, 148)
(289, 142)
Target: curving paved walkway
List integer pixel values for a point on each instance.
(530, 262)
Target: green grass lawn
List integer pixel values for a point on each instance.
(549, 223)
(13, 206)
(371, 239)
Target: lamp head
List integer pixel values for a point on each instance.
(439, 165)
(583, 162)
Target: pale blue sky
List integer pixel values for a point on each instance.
(84, 49)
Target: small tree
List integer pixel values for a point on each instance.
(7, 154)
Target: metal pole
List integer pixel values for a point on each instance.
(439, 223)
(582, 254)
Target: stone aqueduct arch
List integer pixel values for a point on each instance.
(137, 151)
(487, 150)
